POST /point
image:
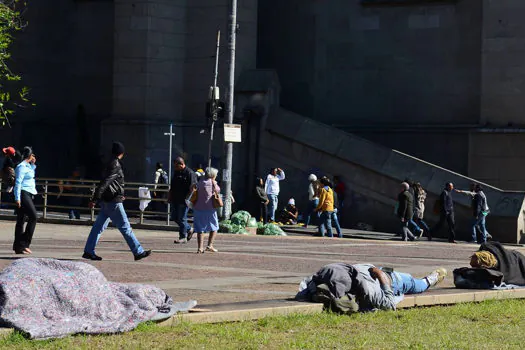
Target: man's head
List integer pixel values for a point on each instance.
(117, 149)
(273, 171)
(312, 178)
(291, 202)
(179, 164)
(8, 151)
(449, 186)
(326, 181)
(404, 186)
(478, 188)
(159, 166)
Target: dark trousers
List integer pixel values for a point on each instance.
(263, 212)
(449, 218)
(27, 208)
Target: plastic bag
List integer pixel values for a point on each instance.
(227, 227)
(241, 218)
(252, 223)
(270, 230)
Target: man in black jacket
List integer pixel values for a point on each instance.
(182, 183)
(405, 211)
(110, 192)
(447, 213)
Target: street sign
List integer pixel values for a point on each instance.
(232, 133)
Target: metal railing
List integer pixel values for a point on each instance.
(58, 195)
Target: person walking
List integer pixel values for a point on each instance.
(204, 210)
(446, 210)
(480, 210)
(110, 193)
(313, 198)
(8, 169)
(405, 211)
(182, 184)
(261, 201)
(272, 190)
(325, 207)
(340, 189)
(25, 190)
(420, 196)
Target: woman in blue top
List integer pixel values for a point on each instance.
(25, 190)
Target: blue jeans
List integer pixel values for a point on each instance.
(179, 214)
(414, 225)
(117, 214)
(272, 206)
(422, 224)
(335, 221)
(326, 223)
(479, 222)
(404, 283)
(311, 207)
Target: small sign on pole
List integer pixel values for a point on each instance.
(232, 133)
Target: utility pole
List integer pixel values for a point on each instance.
(214, 98)
(170, 134)
(227, 177)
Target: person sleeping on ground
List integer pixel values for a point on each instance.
(492, 267)
(346, 288)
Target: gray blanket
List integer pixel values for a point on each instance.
(48, 298)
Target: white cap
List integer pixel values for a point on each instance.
(291, 201)
(312, 178)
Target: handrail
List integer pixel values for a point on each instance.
(68, 188)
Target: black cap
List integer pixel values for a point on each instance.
(117, 148)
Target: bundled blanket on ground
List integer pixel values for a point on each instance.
(48, 298)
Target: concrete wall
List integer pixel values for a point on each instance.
(503, 54)
(348, 64)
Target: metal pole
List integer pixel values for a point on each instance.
(227, 180)
(214, 101)
(169, 174)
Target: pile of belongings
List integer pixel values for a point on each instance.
(242, 219)
(492, 267)
(48, 298)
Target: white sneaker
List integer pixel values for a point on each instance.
(437, 276)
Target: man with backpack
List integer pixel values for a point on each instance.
(161, 178)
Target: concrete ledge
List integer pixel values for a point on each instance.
(243, 315)
(461, 296)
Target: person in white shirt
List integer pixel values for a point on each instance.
(313, 198)
(272, 190)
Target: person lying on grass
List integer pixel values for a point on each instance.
(349, 288)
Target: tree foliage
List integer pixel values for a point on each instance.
(11, 94)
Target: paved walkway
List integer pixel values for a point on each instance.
(247, 268)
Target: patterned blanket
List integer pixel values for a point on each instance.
(48, 298)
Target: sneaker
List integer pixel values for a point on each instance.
(190, 234)
(437, 276)
(91, 256)
(180, 241)
(473, 242)
(143, 255)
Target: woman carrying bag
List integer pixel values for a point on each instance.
(205, 202)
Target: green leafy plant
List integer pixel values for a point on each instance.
(11, 94)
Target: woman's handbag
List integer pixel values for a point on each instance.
(216, 198)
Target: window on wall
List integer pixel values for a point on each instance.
(403, 2)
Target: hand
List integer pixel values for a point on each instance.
(91, 205)
(18, 205)
(267, 202)
(33, 159)
(402, 219)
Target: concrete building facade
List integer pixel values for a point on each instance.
(443, 81)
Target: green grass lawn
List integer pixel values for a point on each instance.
(487, 325)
